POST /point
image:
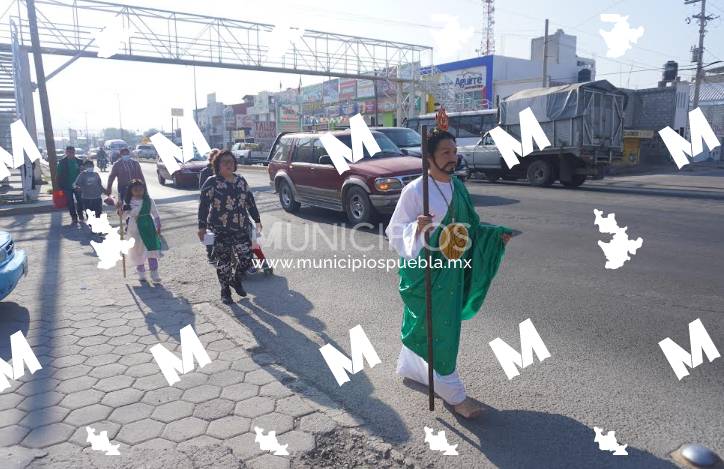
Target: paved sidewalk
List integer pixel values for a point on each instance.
(92, 333)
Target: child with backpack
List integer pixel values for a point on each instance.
(89, 185)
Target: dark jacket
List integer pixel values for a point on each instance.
(205, 173)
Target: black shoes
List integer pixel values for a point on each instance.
(239, 288)
(226, 296)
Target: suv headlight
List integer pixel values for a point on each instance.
(387, 184)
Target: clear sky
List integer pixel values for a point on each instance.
(93, 88)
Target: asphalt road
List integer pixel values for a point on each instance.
(602, 327)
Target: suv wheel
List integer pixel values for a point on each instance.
(540, 173)
(161, 180)
(358, 207)
(286, 197)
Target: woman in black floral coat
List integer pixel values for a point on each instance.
(225, 208)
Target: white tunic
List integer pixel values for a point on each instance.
(137, 255)
(401, 233)
(403, 224)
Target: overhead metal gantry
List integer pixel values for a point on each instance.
(71, 27)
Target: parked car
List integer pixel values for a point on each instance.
(301, 172)
(410, 142)
(147, 151)
(188, 175)
(93, 153)
(13, 264)
(249, 153)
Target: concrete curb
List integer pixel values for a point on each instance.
(41, 207)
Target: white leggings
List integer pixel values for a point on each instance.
(449, 387)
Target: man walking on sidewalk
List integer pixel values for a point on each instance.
(67, 171)
(125, 169)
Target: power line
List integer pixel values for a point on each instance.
(612, 4)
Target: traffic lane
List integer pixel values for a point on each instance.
(702, 184)
(187, 197)
(556, 262)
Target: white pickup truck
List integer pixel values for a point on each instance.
(249, 153)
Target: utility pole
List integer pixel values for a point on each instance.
(120, 120)
(702, 18)
(196, 103)
(545, 57)
(42, 91)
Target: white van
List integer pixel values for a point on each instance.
(113, 148)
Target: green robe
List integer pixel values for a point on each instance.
(147, 227)
(457, 292)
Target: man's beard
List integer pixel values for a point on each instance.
(448, 168)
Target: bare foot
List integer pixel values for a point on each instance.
(468, 409)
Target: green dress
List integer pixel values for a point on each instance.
(457, 292)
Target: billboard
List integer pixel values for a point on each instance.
(365, 89)
(265, 130)
(347, 90)
(331, 91)
(312, 93)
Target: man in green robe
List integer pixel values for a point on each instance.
(459, 286)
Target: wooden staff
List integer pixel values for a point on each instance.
(123, 256)
(428, 271)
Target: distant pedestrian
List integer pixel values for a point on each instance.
(226, 208)
(68, 170)
(89, 184)
(205, 174)
(144, 225)
(125, 169)
(208, 171)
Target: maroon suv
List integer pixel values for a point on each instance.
(301, 172)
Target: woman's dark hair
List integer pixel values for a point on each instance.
(435, 137)
(131, 185)
(217, 161)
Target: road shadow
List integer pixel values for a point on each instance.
(299, 352)
(491, 200)
(43, 336)
(161, 310)
(522, 438)
(13, 318)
